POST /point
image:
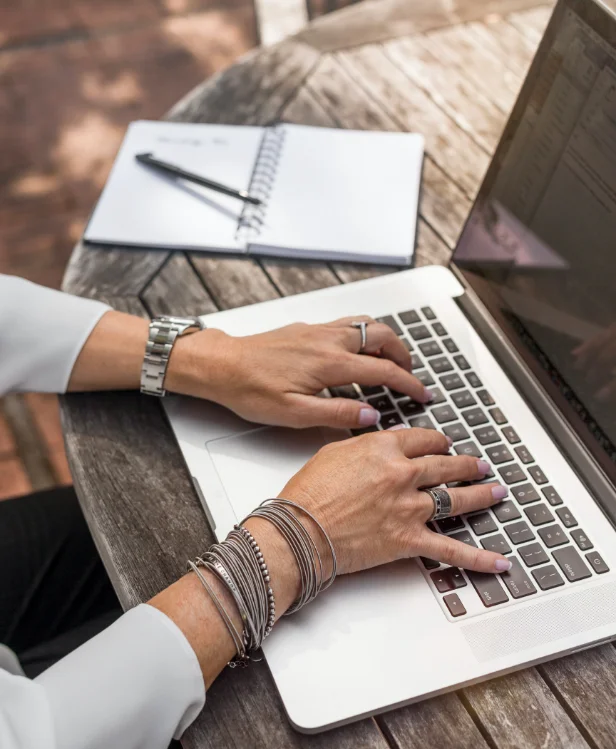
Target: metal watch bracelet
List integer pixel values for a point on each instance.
(163, 333)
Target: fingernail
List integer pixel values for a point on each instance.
(483, 466)
(397, 426)
(499, 492)
(427, 396)
(449, 441)
(502, 565)
(369, 417)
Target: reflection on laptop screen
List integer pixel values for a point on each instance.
(540, 244)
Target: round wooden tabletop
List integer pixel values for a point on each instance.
(449, 69)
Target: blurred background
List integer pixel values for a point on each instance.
(73, 74)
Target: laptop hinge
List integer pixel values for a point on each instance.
(591, 473)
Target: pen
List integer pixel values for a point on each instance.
(148, 158)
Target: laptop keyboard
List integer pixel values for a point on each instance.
(532, 527)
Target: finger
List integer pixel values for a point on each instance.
(341, 413)
(419, 442)
(469, 498)
(382, 340)
(457, 554)
(441, 469)
(369, 370)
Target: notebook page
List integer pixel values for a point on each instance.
(142, 206)
(344, 194)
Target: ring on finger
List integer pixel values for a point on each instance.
(362, 325)
(442, 503)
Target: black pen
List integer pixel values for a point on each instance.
(148, 158)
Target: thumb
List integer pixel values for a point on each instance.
(336, 412)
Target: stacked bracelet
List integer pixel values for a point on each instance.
(239, 565)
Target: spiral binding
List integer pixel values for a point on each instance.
(261, 183)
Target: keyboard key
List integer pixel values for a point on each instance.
(486, 435)
(451, 382)
(596, 562)
(454, 604)
(552, 496)
(428, 313)
(439, 329)
(443, 414)
(506, 511)
(519, 532)
(566, 517)
(499, 454)
(412, 408)
(497, 543)
(482, 523)
(461, 362)
(456, 432)
(464, 537)
(410, 317)
(406, 343)
(518, 583)
(453, 523)
(463, 399)
(553, 535)
(419, 332)
(430, 348)
(344, 391)
(488, 588)
(485, 398)
(422, 422)
(369, 390)
(474, 417)
(416, 362)
(473, 380)
(539, 514)
(448, 579)
(450, 345)
(581, 539)
(396, 394)
(548, 577)
(390, 420)
(538, 475)
(524, 455)
(571, 564)
(525, 494)
(533, 554)
(440, 365)
(498, 416)
(511, 435)
(468, 448)
(437, 396)
(424, 377)
(391, 323)
(382, 403)
(429, 564)
(512, 474)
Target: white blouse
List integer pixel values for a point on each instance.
(137, 684)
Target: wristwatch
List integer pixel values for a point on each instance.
(163, 333)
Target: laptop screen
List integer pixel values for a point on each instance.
(539, 247)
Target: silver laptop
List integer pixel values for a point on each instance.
(497, 337)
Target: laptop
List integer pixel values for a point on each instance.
(497, 337)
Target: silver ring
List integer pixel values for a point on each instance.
(442, 503)
(362, 325)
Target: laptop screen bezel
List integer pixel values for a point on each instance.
(601, 17)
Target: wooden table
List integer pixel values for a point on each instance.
(449, 69)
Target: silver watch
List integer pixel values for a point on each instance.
(163, 333)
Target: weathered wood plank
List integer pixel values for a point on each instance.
(531, 23)
(292, 277)
(502, 38)
(379, 20)
(233, 282)
(177, 290)
(519, 710)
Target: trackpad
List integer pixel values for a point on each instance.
(256, 465)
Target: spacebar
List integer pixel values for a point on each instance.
(487, 586)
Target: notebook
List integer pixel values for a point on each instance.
(326, 194)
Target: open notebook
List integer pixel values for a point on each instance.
(327, 194)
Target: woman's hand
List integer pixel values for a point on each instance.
(366, 492)
(274, 377)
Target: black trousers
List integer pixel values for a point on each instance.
(54, 591)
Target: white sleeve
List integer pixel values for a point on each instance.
(42, 332)
(136, 685)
